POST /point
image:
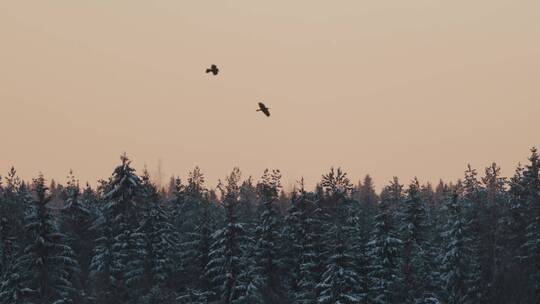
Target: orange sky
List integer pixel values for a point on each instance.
(416, 87)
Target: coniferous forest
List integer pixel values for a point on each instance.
(475, 240)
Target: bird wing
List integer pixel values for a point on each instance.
(262, 106)
(266, 112)
(214, 67)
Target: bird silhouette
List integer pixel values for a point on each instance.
(213, 69)
(264, 109)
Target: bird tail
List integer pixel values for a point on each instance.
(208, 70)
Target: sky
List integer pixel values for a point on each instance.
(405, 88)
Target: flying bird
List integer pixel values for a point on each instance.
(264, 109)
(214, 69)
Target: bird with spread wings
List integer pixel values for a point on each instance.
(213, 69)
(264, 109)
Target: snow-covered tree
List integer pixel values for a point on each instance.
(119, 244)
(480, 229)
(13, 202)
(196, 232)
(152, 265)
(459, 266)
(228, 243)
(392, 194)
(123, 197)
(75, 222)
(250, 285)
(530, 198)
(416, 254)
(266, 255)
(340, 283)
(247, 203)
(385, 247)
(46, 267)
(105, 266)
(303, 246)
(193, 296)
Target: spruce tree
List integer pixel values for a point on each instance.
(480, 229)
(530, 198)
(384, 249)
(46, 267)
(247, 204)
(228, 246)
(151, 266)
(303, 246)
(267, 234)
(295, 234)
(251, 285)
(459, 265)
(416, 259)
(16, 199)
(195, 231)
(119, 243)
(104, 266)
(365, 193)
(75, 222)
(340, 283)
(13, 202)
(197, 241)
(392, 194)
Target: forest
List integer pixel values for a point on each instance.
(126, 240)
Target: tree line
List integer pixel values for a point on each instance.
(476, 240)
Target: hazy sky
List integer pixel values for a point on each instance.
(382, 87)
